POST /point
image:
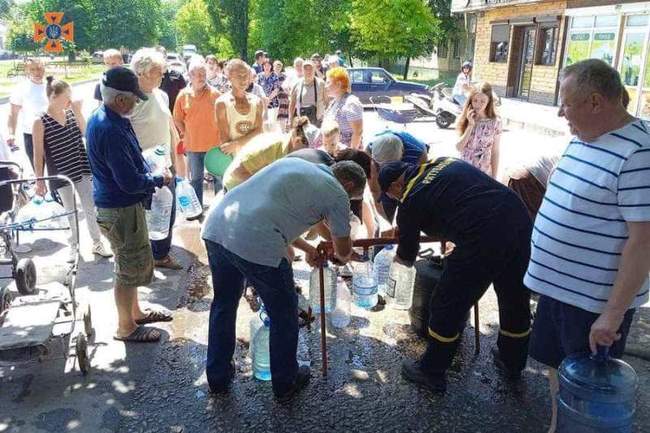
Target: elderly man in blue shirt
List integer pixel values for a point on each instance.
(122, 182)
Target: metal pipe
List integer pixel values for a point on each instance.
(323, 319)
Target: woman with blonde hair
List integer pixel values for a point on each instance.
(480, 131)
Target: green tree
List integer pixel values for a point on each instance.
(290, 28)
(194, 26)
(230, 18)
(21, 30)
(393, 28)
(168, 30)
(126, 23)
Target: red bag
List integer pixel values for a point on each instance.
(180, 148)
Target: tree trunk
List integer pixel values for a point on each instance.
(406, 68)
(350, 60)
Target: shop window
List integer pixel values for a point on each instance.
(500, 41)
(632, 58)
(592, 37)
(548, 39)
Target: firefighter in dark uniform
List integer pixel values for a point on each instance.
(491, 229)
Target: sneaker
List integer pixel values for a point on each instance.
(100, 250)
(509, 373)
(413, 372)
(302, 379)
(220, 388)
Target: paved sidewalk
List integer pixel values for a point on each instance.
(534, 118)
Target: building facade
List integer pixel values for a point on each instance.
(521, 45)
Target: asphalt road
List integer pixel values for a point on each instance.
(162, 387)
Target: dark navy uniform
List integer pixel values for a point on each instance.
(489, 224)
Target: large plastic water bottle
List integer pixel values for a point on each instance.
(340, 317)
(383, 260)
(260, 330)
(186, 198)
(43, 213)
(364, 284)
(159, 216)
(399, 291)
(329, 279)
(157, 159)
(597, 394)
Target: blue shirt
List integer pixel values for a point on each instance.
(121, 177)
(258, 219)
(413, 147)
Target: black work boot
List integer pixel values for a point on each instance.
(507, 372)
(413, 372)
(302, 379)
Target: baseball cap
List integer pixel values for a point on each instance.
(386, 148)
(124, 79)
(390, 172)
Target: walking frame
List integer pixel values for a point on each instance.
(325, 249)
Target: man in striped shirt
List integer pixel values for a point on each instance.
(589, 258)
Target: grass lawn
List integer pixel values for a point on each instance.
(70, 73)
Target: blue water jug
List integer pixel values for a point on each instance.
(597, 394)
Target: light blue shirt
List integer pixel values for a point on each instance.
(258, 219)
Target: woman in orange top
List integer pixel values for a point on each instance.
(194, 117)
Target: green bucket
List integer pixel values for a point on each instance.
(216, 162)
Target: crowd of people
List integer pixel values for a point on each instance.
(301, 165)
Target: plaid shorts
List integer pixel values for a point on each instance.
(126, 230)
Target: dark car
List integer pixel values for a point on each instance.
(367, 82)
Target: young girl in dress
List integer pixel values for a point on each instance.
(480, 131)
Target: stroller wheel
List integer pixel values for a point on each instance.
(81, 350)
(5, 299)
(25, 277)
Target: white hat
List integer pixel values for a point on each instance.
(387, 147)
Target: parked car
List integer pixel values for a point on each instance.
(367, 82)
(97, 57)
(188, 51)
(7, 55)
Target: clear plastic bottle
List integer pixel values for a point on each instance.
(364, 284)
(399, 290)
(186, 198)
(159, 216)
(329, 278)
(340, 317)
(157, 160)
(260, 330)
(383, 260)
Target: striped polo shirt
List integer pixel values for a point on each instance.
(580, 230)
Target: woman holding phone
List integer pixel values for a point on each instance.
(480, 131)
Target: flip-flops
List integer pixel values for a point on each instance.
(154, 316)
(142, 334)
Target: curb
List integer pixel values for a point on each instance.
(533, 127)
(5, 99)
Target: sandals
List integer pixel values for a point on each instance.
(142, 334)
(154, 316)
(169, 263)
